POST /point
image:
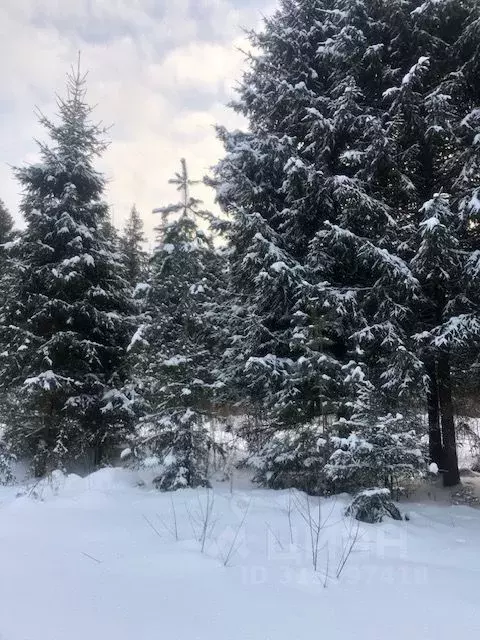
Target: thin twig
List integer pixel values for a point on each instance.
(269, 528)
(347, 550)
(289, 515)
(327, 568)
(87, 555)
(152, 526)
(175, 524)
(190, 519)
(231, 550)
(317, 537)
(314, 527)
(206, 519)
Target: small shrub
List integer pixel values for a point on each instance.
(293, 459)
(372, 505)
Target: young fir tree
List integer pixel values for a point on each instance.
(377, 449)
(66, 331)
(131, 246)
(178, 347)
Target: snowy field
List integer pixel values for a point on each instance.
(102, 558)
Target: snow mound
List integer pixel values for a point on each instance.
(55, 484)
(111, 479)
(61, 485)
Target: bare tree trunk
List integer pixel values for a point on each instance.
(434, 431)
(451, 475)
(97, 455)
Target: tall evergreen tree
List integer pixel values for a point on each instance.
(6, 223)
(66, 331)
(131, 245)
(407, 71)
(6, 226)
(289, 356)
(179, 344)
(6, 235)
(360, 111)
(110, 233)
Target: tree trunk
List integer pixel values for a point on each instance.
(451, 474)
(40, 464)
(434, 431)
(97, 455)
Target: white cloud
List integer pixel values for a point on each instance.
(207, 65)
(159, 72)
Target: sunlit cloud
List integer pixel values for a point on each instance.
(160, 73)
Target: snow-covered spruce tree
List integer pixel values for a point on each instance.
(177, 347)
(6, 223)
(293, 458)
(388, 102)
(6, 280)
(6, 235)
(132, 241)
(110, 233)
(377, 450)
(289, 354)
(65, 334)
(437, 264)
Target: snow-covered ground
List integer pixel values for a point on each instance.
(98, 559)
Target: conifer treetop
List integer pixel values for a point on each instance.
(74, 130)
(188, 206)
(131, 244)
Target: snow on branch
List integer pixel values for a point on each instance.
(457, 330)
(472, 266)
(138, 338)
(47, 380)
(378, 258)
(416, 71)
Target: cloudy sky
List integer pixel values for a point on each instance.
(160, 72)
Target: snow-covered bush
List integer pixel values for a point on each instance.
(293, 458)
(382, 452)
(177, 451)
(372, 505)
